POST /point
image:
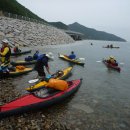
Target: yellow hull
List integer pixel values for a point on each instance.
(76, 61)
(66, 72)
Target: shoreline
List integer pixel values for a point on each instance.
(29, 35)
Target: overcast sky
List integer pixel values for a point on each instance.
(112, 16)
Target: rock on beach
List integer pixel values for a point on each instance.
(26, 33)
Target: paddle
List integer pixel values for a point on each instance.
(99, 61)
(35, 80)
(122, 63)
(119, 63)
(81, 58)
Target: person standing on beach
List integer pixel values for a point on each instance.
(42, 62)
(5, 53)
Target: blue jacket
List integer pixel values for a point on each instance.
(35, 56)
(72, 56)
(41, 61)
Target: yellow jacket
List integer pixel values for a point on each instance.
(112, 61)
(3, 54)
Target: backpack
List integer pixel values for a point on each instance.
(29, 58)
(20, 67)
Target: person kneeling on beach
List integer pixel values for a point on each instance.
(41, 62)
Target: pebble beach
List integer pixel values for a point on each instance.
(28, 35)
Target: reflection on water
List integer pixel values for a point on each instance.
(103, 100)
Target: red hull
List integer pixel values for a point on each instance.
(112, 66)
(28, 101)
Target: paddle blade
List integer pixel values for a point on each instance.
(122, 63)
(33, 80)
(98, 61)
(81, 58)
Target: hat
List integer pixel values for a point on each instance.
(50, 55)
(5, 41)
(112, 57)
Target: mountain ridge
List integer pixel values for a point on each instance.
(14, 7)
(93, 34)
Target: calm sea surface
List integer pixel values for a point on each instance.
(103, 100)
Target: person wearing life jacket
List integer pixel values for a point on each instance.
(42, 62)
(16, 49)
(5, 53)
(112, 60)
(72, 55)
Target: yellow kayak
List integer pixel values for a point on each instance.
(19, 72)
(76, 61)
(23, 62)
(64, 75)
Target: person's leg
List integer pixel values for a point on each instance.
(41, 74)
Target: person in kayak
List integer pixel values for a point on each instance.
(16, 49)
(111, 46)
(35, 56)
(108, 46)
(112, 60)
(41, 62)
(72, 55)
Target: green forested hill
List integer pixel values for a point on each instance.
(90, 33)
(14, 7)
(59, 25)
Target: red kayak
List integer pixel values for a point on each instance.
(39, 99)
(111, 66)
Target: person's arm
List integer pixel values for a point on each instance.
(48, 70)
(4, 52)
